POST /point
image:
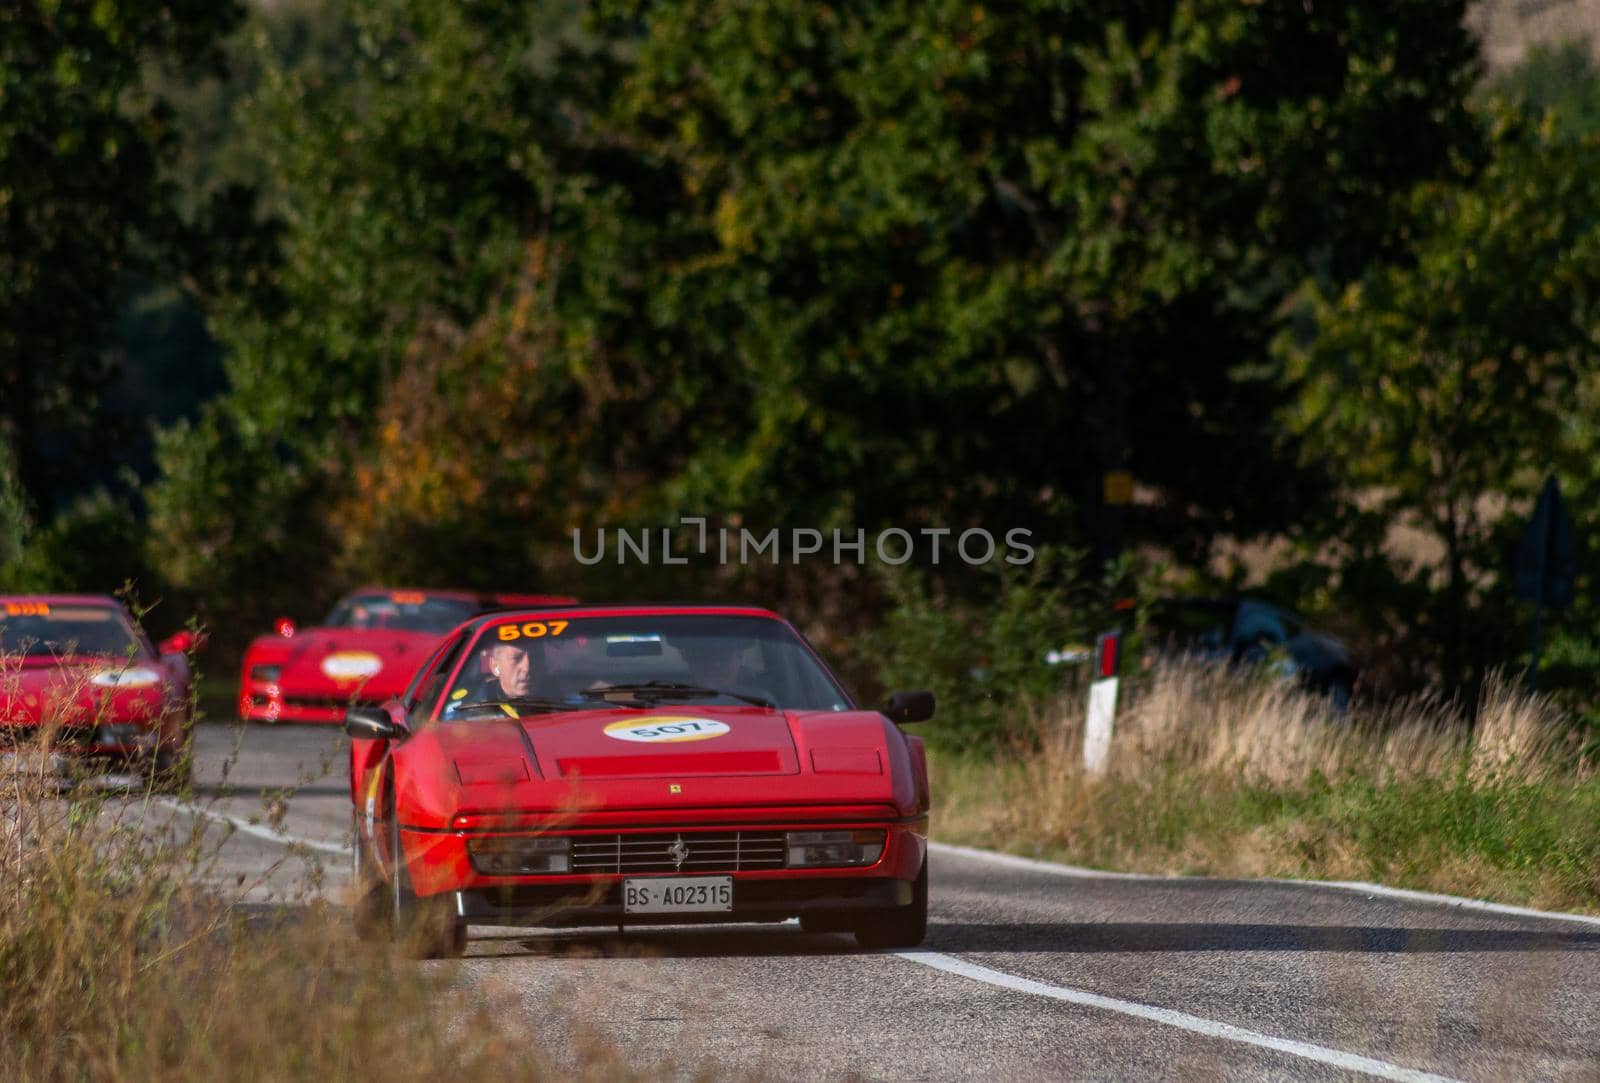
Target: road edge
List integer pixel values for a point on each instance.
(1054, 868)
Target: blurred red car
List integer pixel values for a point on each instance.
(364, 652)
(79, 671)
(636, 764)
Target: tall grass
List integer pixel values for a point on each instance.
(1227, 774)
(125, 956)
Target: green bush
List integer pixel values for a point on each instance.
(983, 654)
(96, 545)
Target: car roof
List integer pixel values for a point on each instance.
(64, 599)
(447, 592)
(633, 609)
(498, 597)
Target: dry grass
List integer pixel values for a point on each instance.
(1220, 774)
(119, 962)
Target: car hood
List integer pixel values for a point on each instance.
(670, 758)
(340, 662)
(676, 742)
(62, 690)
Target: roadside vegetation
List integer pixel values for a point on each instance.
(1237, 774)
(346, 317)
(124, 955)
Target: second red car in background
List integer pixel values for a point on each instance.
(364, 652)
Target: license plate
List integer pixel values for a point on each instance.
(677, 895)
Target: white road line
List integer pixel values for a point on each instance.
(1051, 868)
(260, 831)
(1208, 1027)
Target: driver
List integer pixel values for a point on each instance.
(510, 678)
(510, 673)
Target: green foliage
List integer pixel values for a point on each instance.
(410, 198)
(958, 262)
(1442, 385)
(15, 522)
(984, 660)
(94, 545)
(1520, 842)
(493, 270)
(81, 199)
(922, 265)
(1558, 79)
(256, 545)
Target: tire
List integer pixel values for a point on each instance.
(424, 928)
(370, 911)
(904, 927)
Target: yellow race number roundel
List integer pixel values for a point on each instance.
(351, 665)
(665, 728)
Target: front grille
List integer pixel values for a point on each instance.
(723, 851)
(321, 703)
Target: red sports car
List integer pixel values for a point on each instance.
(364, 652)
(636, 765)
(79, 671)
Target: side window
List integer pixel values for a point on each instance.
(425, 691)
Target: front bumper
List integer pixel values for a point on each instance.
(601, 904)
(260, 702)
(438, 864)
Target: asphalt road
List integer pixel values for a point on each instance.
(1029, 972)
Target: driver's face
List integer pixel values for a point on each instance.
(510, 666)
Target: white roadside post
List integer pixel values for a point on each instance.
(1102, 704)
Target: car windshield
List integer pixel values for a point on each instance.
(580, 661)
(400, 611)
(39, 629)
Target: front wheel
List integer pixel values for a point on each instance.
(370, 911)
(425, 928)
(904, 927)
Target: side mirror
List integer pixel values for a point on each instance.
(181, 642)
(370, 724)
(906, 707)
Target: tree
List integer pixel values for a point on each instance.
(1439, 385)
(81, 201)
(1559, 78)
(964, 262)
(416, 155)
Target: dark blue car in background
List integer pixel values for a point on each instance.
(1246, 631)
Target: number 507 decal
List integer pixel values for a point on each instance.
(532, 629)
(666, 728)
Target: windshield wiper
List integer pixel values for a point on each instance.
(675, 690)
(520, 704)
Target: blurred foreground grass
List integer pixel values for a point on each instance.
(1222, 775)
(124, 955)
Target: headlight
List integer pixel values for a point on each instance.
(819, 848)
(513, 856)
(137, 677)
(268, 674)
